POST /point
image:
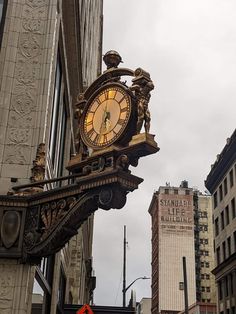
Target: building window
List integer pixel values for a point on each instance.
(187, 192)
(175, 191)
(208, 289)
(3, 8)
(181, 285)
(218, 255)
(233, 208)
(231, 178)
(234, 241)
(222, 220)
(203, 289)
(215, 199)
(61, 292)
(225, 186)
(202, 264)
(166, 191)
(226, 286)
(221, 192)
(227, 215)
(229, 245)
(206, 253)
(58, 125)
(224, 250)
(207, 264)
(206, 241)
(202, 276)
(220, 290)
(207, 276)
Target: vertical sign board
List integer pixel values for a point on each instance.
(176, 214)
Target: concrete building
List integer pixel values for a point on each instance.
(144, 306)
(50, 51)
(221, 182)
(180, 227)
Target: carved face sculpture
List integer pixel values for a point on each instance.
(106, 117)
(10, 228)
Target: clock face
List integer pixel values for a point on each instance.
(106, 117)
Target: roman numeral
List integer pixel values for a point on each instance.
(123, 109)
(121, 121)
(89, 123)
(91, 132)
(121, 99)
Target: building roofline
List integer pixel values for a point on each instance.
(224, 161)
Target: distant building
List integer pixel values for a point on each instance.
(201, 308)
(221, 182)
(144, 306)
(181, 226)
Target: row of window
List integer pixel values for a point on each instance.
(203, 227)
(225, 217)
(225, 250)
(205, 289)
(228, 182)
(204, 252)
(167, 191)
(204, 241)
(205, 264)
(202, 214)
(226, 286)
(205, 276)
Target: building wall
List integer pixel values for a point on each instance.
(221, 182)
(175, 240)
(181, 226)
(207, 262)
(50, 51)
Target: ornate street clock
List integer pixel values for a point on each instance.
(107, 116)
(110, 117)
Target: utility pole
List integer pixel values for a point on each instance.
(124, 268)
(185, 285)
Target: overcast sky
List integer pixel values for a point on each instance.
(189, 48)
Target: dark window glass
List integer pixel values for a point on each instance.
(208, 289)
(227, 215)
(175, 191)
(220, 290)
(222, 220)
(231, 178)
(217, 226)
(224, 250)
(207, 265)
(166, 191)
(229, 245)
(225, 186)
(3, 7)
(218, 255)
(187, 192)
(207, 276)
(215, 199)
(226, 286)
(221, 192)
(233, 208)
(234, 241)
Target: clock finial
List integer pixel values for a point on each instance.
(112, 59)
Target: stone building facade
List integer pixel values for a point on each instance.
(221, 182)
(181, 226)
(50, 52)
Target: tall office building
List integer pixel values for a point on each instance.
(180, 227)
(50, 51)
(221, 182)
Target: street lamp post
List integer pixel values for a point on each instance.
(125, 289)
